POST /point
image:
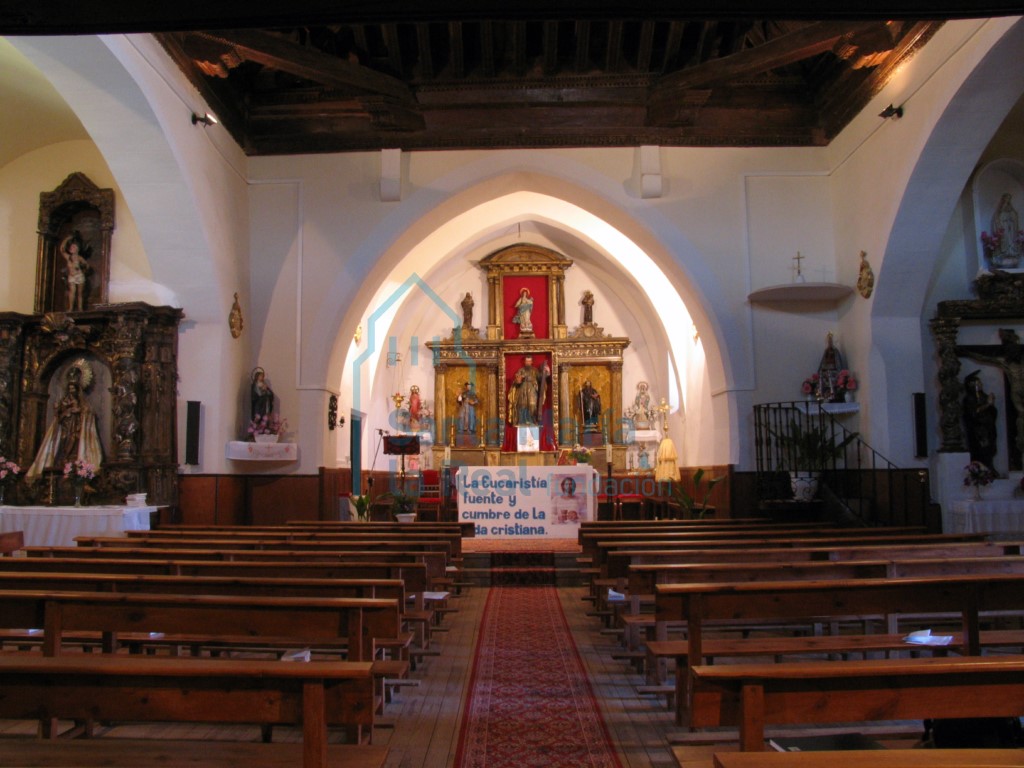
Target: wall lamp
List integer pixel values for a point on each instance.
(206, 119)
(894, 112)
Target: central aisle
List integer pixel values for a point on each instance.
(530, 702)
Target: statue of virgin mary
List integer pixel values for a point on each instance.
(72, 433)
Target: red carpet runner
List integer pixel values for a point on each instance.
(530, 703)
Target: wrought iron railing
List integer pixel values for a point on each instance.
(867, 488)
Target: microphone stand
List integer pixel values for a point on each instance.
(373, 464)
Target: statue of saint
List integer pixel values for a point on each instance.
(524, 312)
(415, 404)
(1011, 361)
(1006, 224)
(76, 266)
(467, 310)
(72, 434)
(590, 405)
(641, 411)
(467, 402)
(588, 308)
(828, 371)
(526, 394)
(262, 395)
(980, 414)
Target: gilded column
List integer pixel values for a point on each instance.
(615, 409)
(566, 433)
(493, 306)
(945, 331)
(494, 412)
(441, 418)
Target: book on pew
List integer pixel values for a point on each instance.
(824, 743)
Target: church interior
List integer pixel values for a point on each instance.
(559, 290)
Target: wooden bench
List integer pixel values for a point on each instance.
(753, 695)
(11, 542)
(732, 604)
(87, 688)
(199, 618)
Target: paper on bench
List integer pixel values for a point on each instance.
(925, 637)
(436, 595)
(301, 655)
(613, 595)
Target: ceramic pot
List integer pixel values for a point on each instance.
(266, 438)
(804, 485)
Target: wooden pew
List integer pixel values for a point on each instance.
(198, 617)
(880, 758)
(753, 695)
(435, 562)
(604, 548)
(11, 542)
(414, 576)
(734, 603)
(88, 687)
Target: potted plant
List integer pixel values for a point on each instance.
(403, 506)
(689, 502)
(361, 506)
(808, 449)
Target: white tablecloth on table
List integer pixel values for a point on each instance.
(987, 516)
(58, 526)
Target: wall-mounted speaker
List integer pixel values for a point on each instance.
(192, 431)
(920, 427)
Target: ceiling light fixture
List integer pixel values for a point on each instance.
(206, 119)
(894, 112)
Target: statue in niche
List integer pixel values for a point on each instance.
(467, 310)
(1011, 361)
(76, 266)
(588, 308)
(467, 402)
(828, 370)
(72, 434)
(524, 312)
(262, 395)
(590, 405)
(980, 415)
(640, 412)
(526, 394)
(1004, 245)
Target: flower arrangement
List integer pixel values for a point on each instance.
(79, 470)
(9, 470)
(991, 242)
(270, 424)
(845, 381)
(581, 455)
(810, 385)
(977, 474)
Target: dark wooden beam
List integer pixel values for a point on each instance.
(582, 58)
(49, 17)
(487, 48)
(787, 49)
(457, 57)
(426, 55)
(550, 47)
(394, 46)
(613, 50)
(518, 47)
(275, 52)
(646, 48)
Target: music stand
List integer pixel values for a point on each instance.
(401, 445)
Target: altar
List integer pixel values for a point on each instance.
(998, 516)
(58, 526)
(527, 501)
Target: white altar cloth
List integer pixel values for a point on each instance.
(987, 516)
(527, 501)
(58, 526)
(241, 450)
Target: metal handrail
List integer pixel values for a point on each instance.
(887, 494)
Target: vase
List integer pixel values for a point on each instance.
(977, 492)
(3, 488)
(266, 438)
(78, 487)
(804, 485)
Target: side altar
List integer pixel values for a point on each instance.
(526, 387)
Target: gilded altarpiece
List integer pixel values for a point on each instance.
(132, 351)
(566, 359)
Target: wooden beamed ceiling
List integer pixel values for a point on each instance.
(488, 83)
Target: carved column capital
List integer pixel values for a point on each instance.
(945, 330)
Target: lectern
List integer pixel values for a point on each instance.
(401, 445)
